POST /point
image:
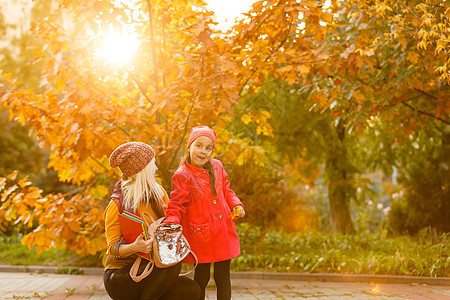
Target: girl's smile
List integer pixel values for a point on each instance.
(200, 151)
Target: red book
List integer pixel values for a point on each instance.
(132, 226)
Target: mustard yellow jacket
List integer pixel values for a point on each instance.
(114, 233)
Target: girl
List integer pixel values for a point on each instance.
(201, 201)
(138, 192)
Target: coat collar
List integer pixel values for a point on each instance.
(195, 169)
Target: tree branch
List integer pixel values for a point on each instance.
(267, 16)
(417, 17)
(425, 113)
(143, 92)
(120, 128)
(43, 112)
(152, 38)
(425, 93)
(99, 163)
(362, 81)
(186, 123)
(268, 57)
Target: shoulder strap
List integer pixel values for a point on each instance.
(117, 196)
(135, 267)
(118, 203)
(195, 265)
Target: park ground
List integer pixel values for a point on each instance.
(40, 283)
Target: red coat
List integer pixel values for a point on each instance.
(205, 218)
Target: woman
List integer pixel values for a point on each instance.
(138, 192)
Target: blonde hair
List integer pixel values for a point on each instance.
(142, 188)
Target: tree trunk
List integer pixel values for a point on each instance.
(339, 186)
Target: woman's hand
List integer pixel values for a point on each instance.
(142, 245)
(237, 212)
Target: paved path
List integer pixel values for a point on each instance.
(36, 286)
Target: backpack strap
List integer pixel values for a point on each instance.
(117, 196)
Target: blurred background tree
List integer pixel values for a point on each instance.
(21, 148)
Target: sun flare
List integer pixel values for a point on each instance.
(118, 48)
(227, 11)
(376, 289)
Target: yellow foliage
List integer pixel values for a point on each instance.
(265, 129)
(99, 191)
(61, 220)
(6, 75)
(303, 69)
(358, 96)
(412, 57)
(246, 119)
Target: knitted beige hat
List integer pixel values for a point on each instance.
(131, 157)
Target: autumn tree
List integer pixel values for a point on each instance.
(360, 61)
(14, 140)
(183, 76)
(22, 151)
(288, 42)
(391, 66)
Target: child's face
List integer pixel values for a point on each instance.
(200, 151)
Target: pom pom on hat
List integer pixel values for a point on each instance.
(202, 131)
(131, 157)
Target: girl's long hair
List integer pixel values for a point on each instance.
(142, 188)
(208, 166)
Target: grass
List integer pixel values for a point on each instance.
(12, 252)
(357, 254)
(276, 251)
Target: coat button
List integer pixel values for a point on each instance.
(198, 228)
(204, 171)
(215, 202)
(220, 216)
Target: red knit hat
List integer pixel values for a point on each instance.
(202, 131)
(131, 157)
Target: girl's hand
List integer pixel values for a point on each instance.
(237, 212)
(142, 245)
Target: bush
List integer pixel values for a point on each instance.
(266, 199)
(425, 200)
(277, 251)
